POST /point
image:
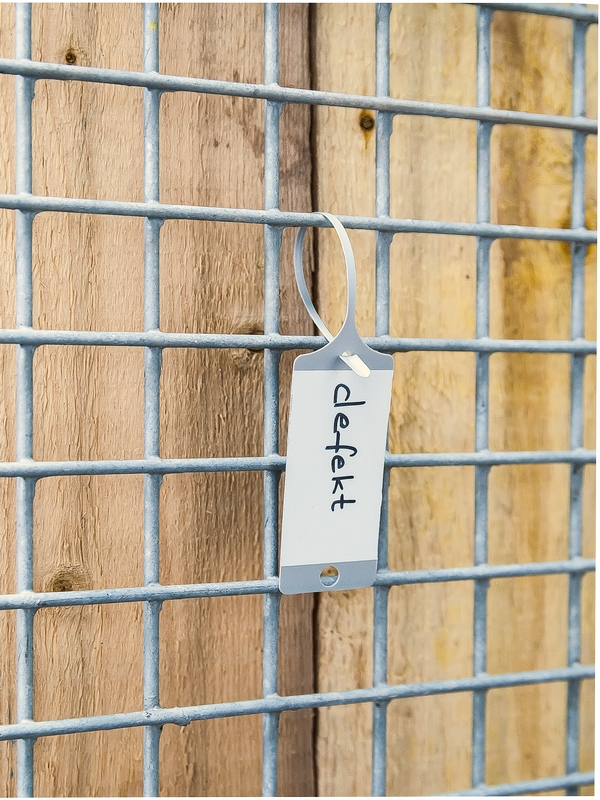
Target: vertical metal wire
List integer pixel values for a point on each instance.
(578, 253)
(152, 366)
(484, 19)
(272, 244)
(383, 133)
(24, 415)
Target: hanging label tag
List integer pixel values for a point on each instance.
(335, 452)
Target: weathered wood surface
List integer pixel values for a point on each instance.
(530, 403)
(7, 403)
(432, 294)
(89, 402)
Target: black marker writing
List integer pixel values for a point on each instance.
(337, 403)
(342, 502)
(337, 446)
(338, 482)
(341, 398)
(337, 462)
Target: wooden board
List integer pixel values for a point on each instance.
(530, 403)
(432, 294)
(88, 274)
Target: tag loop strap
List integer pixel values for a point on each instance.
(354, 361)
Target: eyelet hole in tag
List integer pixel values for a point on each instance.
(329, 576)
(336, 450)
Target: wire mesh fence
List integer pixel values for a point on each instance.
(26, 338)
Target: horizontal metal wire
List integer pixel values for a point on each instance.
(271, 704)
(136, 594)
(527, 787)
(165, 466)
(575, 11)
(491, 458)
(291, 219)
(275, 341)
(284, 94)
(277, 703)
(485, 571)
(162, 593)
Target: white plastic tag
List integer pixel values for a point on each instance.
(335, 452)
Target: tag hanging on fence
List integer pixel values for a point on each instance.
(335, 452)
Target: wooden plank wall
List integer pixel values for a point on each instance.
(433, 165)
(88, 274)
(89, 402)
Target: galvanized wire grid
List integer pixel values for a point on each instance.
(27, 471)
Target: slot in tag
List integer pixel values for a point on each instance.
(335, 452)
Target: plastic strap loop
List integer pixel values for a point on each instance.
(351, 359)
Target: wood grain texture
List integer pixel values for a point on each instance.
(432, 294)
(88, 274)
(7, 403)
(529, 397)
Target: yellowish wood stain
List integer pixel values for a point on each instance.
(433, 294)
